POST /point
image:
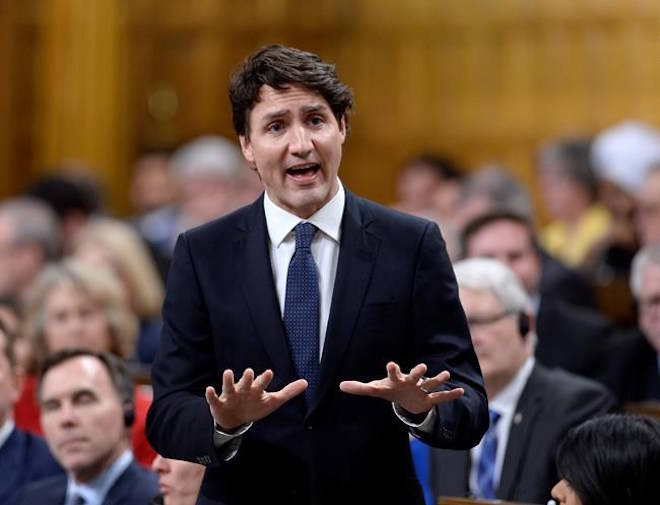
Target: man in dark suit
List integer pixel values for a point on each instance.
(560, 323)
(310, 296)
(532, 407)
(634, 364)
(86, 413)
(24, 457)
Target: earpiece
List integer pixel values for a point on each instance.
(523, 324)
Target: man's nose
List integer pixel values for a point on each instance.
(300, 143)
(67, 416)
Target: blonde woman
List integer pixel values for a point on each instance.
(116, 245)
(74, 304)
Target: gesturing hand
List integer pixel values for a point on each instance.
(247, 400)
(412, 391)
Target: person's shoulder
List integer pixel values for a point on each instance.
(376, 214)
(236, 219)
(37, 455)
(44, 491)
(136, 485)
(566, 384)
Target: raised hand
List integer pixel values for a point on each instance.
(247, 400)
(413, 392)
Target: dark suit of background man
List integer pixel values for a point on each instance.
(532, 407)
(24, 457)
(86, 402)
(332, 426)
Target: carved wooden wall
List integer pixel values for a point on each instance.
(483, 80)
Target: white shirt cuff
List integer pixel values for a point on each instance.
(426, 425)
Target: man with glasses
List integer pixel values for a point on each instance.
(531, 407)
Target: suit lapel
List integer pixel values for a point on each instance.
(259, 290)
(356, 259)
(522, 426)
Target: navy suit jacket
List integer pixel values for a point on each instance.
(551, 403)
(136, 486)
(24, 458)
(395, 298)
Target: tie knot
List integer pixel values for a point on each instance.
(304, 235)
(494, 417)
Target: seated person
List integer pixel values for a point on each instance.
(179, 481)
(24, 457)
(532, 407)
(77, 305)
(634, 364)
(610, 460)
(553, 291)
(86, 404)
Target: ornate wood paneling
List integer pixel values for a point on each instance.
(482, 80)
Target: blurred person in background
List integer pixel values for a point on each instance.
(531, 406)
(86, 402)
(570, 190)
(553, 292)
(117, 247)
(179, 481)
(635, 367)
(75, 304)
(74, 195)
(154, 199)
(647, 218)
(428, 183)
(610, 460)
(491, 187)
(24, 457)
(621, 156)
(29, 238)
(206, 171)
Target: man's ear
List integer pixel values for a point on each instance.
(342, 129)
(246, 147)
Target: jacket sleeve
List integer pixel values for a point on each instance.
(442, 341)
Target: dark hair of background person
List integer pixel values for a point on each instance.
(444, 167)
(570, 158)
(280, 67)
(479, 222)
(69, 192)
(117, 370)
(613, 459)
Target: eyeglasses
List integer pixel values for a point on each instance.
(485, 320)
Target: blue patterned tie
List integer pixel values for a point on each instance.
(301, 309)
(486, 466)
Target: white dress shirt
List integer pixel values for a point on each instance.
(325, 250)
(504, 403)
(6, 430)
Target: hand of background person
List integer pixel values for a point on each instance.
(247, 400)
(413, 392)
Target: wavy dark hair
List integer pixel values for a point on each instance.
(279, 67)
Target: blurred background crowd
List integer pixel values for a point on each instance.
(527, 131)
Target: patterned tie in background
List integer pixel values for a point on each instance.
(486, 466)
(301, 309)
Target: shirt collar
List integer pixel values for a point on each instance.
(96, 490)
(505, 401)
(327, 219)
(5, 431)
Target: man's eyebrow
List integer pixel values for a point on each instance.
(313, 108)
(275, 114)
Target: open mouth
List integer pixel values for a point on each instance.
(304, 172)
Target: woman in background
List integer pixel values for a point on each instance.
(610, 460)
(117, 246)
(74, 304)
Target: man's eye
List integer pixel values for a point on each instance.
(274, 127)
(50, 406)
(316, 120)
